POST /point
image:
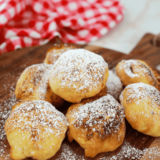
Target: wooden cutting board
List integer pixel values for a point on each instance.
(13, 63)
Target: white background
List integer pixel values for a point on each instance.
(140, 17)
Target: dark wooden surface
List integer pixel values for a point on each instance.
(13, 63)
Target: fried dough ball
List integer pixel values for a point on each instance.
(114, 85)
(35, 129)
(97, 124)
(142, 108)
(135, 71)
(78, 74)
(55, 52)
(33, 84)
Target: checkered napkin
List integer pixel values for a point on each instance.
(32, 22)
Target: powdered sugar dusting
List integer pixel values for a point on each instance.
(127, 67)
(37, 117)
(128, 151)
(5, 109)
(144, 70)
(114, 85)
(158, 67)
(80, 66)
(140, 91)
(141, 71)
(105, 115)
(67, 153)
(38, 75)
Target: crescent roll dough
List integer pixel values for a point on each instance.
(35, 129)
(142, 108)
(33, 84)
(97, 124)
(55, 52)
(135, 71)
(78, 74)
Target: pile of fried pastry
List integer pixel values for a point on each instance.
(99, 104)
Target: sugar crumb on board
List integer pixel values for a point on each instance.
(126, 151)
(5, 109)
(67, 153)
(130, 152)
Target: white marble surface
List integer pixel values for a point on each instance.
(140, 17)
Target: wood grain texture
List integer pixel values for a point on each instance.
(13, 63)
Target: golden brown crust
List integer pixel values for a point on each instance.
(33, 84)
(142, 108)
(135, 71)
(78, 74)
(55, 52)
(35, 129)
(97, 124)
(102, 93)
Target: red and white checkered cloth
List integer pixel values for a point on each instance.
(32, 22)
